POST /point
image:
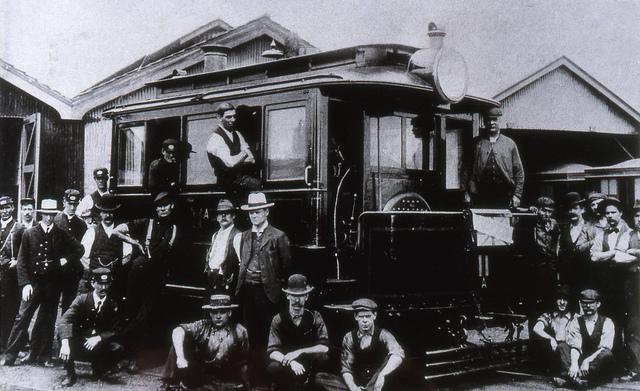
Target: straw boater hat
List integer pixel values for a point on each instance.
(107, 204)
(219, 302)
(256, 201)
(297, 285)
(224, 205)
(48, 206)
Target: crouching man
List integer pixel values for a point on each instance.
(587, 357)
(551, 328)
(298, 339)
(369, 356)
(89, 330)
(208, 352)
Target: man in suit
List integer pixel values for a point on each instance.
(43, 251)
(265, 258)
(89, 330)
(10, 239)
(67, 220)
(222, 258)
(230, 155)
(573, 266)
(101, 178)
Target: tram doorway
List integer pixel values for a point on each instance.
(10, 151)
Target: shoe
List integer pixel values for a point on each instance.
(48, 363)
(581, 384)
(8, 362)
(68, 381)
(559, 382)
(27, 360)
(630, 376)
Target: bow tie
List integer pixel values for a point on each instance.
(612, 230)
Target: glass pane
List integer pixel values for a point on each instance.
(199, 171)
(131, 155)
(390, 130)
(286, 143)
(413, 153)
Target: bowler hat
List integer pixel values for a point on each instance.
(573, 198)
(224, 205)
(589, 296)
(101, 274)
(48, 206)
(100, 173)
(364, 304)
(6, 200)
(297, 284)
(609, 201)
(219, 302)
(27, 201)
(72, 196)
(163, 198)
(545, 202)
(170, 145)
(257, 200)
(107, 203)
(493, 112)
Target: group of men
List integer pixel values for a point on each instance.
(595, 255)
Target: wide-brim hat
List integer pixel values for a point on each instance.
(219, 302)
(107, 204)
(256, 201)
(48, 206)
(609, 201)
(297, 284)
(224, 205)
(573, 198)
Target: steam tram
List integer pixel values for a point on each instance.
(362, 149)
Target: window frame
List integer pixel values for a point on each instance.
(115, 156)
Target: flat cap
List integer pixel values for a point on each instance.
(72, 195)
(595, 196)
(493, 112)
(609, 201)
(163, 198)
(101, 173)
(364, 304)
(589, 295)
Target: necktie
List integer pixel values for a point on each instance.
(99, 305)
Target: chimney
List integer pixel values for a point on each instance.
(215, 57)
(436, 36)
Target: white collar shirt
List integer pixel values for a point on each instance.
(6, 222)
(259, 229)
(218, 253)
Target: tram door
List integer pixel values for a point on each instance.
(29, 158)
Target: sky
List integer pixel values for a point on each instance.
(72, 44)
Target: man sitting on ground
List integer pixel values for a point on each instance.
(298, 339)
(209, 350)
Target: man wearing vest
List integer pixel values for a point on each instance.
(573, 268)
(298, 339)
(43, 251)
(10, 239)
(104, 249)
(89, 330)
(101, 178)
(27, 212)
(67, 220)
(587, 358)
(629, 246)
(265, 258)
(222, 257)
(154, 243)
(230, 156)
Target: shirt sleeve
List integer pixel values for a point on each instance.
(85, 204)
(545, 319)
(391, 343)
(87, 241)
(194, 330)
(608, 333)
(218, 148)
(574, 338)
(322, 336)
(623, 241)
(346, 355)
(275, 338)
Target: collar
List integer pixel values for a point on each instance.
(229, 228)
(595, 319)
(578, 224)
(228, 132)
(610, 229)
(260, 229)
(567, 314)
(6, 222)
(96, 299)
(45, 228)
(361, 334)
(292, 317)
(493, 139)
(68, 215)
(108, 228)
(102, 192)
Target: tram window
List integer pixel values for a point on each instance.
(388, 130)
(286, 142)
(414, 154)
(609, 187)
(131, 155)
(199, 128)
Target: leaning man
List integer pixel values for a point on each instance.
(89, 330)
(208, 351)
(298, 339)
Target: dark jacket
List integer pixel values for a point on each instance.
(36, 251)
(10, 246)
(274, 256)
(81, 319)
(163, 176)
(507, 159)
(76, 228)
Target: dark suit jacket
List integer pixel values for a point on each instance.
(81, 318)
(76, 228)
(274, 256)
(32, 257)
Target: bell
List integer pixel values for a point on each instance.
(273, 52)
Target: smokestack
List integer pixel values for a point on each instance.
(436, 36)
(215, 57)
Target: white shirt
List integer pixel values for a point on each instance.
(87, 203)
(90, 236)
(260, 229)
(45, 228)
(217, 147)
(4, 223)
(218, 251)
(575, 230)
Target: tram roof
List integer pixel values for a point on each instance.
(365, 65)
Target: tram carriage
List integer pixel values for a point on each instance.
(363, 151)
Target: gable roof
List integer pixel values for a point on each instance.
(38, 90)
(578, 72)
